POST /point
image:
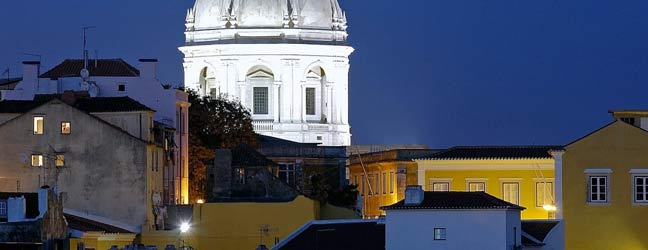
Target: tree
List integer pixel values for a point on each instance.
(214, 122)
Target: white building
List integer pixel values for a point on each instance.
(117, 78)
(286, 60)
(452, 220)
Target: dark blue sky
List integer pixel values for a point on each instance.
(433, 72)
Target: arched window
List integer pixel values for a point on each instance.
(207, 83)
(260, 79)
(315, 99)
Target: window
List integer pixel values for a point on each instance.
(384, 183)
(476, 186)
(37, 160)
(544, 193)
(3, 208)
(213, 92)
(287, 174)
(38, 125)
(629, 120)
(439, 234)
(440, 186)
(375, 180)
(260, 100)
(239, 175)
(597, 191)
(362, 185)
(310, 101)
(60, 160)
(66, 128)
(511, 192)
(641, 189)
(391, 182)
(121, 88)
(355, 180)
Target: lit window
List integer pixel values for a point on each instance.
(384, 183)
(476, 186)
(38, 125)
(60, 160)
(376, 179)
(66, 128)
(597, 191)
(440, 186)
(355, 180)
(511, 192)
(641, 189)
(3, 208)
(37, 160)
(544, 194)
(439, 234)
(392, 180)
(287, 174)
(260, 100)
(239, 175)
(310, 101)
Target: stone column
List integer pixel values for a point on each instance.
(326, 102)
(558, 179)
(276, 101)
(302, 106)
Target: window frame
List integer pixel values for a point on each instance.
(35, 126)
(240, 176)
(40, 159)
(289, 172)
(469, 181)
(589, 188)
(442, 233)
(392, 182)
(60, 158)
(504, 192)
(4, 206)
(384, 182)
(69, 127)
(552, 197)
(635, 177)
(266, 102)
(312, 103)
(433, 181)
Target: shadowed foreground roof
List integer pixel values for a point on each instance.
(538, 229)
(87, 225)
(337, 235)
(105, 67)
(456, 200)
(495, 152)
(89, 104)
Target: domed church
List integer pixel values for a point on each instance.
(286, 60)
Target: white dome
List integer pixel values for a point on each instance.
(221, 14)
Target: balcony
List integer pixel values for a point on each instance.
(263, 125)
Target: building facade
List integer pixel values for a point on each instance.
(286, 60)
(381, 177)
(117, 78)
(522, 175)
(605, 193)
(99, 152)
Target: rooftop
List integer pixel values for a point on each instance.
(494, 152)
(104, 67)
(87, 104)
(86, 225)
(392, 155)
(456, 200)
(337, 235)
(538, 230)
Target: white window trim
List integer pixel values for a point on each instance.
(634, 189)
(639, 171)
(608, 182)
(511, 181)
(535, 189)
(431, 182)
(598, 171)
(473, 180)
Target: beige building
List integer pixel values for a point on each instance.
(100, 152)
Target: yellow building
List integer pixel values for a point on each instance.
(605, 188)
(382, 177)
(244, 225)
(522, 175)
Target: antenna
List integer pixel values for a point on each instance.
(96, 57)
(85, 45)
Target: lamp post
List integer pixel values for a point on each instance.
(184, 228)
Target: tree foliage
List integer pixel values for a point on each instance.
(214, 122)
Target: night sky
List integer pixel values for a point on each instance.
(440, 73)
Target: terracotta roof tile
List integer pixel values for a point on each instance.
(456, 200)
(87, 225)
(495, 152)
(105, 67)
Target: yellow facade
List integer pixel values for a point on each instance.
(234, 226)
(382, 183)
(98, 240)
(615, 151)
(530, 176)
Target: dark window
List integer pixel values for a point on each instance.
(3, 208)
(260, 101)
(629, 120)
(122, 87)
(310, 101)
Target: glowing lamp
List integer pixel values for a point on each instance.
(549, 207)
(200, 201)
(184, 227)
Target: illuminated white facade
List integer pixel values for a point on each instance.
(286, 60)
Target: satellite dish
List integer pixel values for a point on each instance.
(85, 73)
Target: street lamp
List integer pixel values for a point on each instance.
(184, 227)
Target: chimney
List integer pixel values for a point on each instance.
(42, 200)
(414, 195)
(148, 68)
(31, 71)
(16, 209)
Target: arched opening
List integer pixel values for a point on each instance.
(260, 80)
(207, 83)
(316, 96)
